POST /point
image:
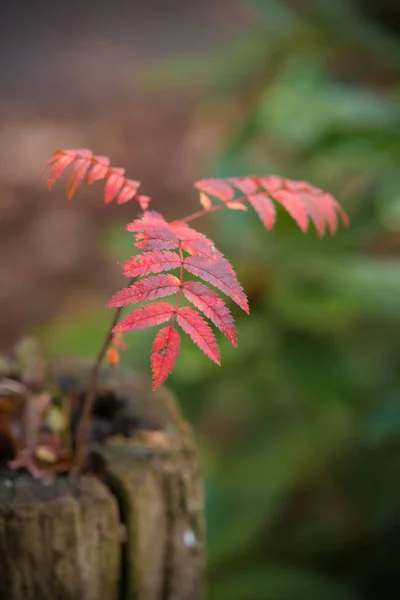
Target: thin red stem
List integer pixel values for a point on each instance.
(88, 403)
(207, 211)
(202, 213)
(178, 294)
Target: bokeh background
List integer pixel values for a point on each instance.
(299, 431)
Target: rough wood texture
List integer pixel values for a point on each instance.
(159, 486)
(63, 543)
(59, 542)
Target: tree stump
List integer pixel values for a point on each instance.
(58, 542)
(130, 529)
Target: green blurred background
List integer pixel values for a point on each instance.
(299, 430)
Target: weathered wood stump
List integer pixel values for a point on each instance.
(135, 531)
(58, 542)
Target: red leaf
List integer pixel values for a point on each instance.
(153, 232)
(292, 203)
(212, 306)
(146, 316)
(330, 209)
(151, 222)
(163, 240)
(314, 204)
(119, 342)
(236, 205)
(94, 168)
(195, 242)
(114, 183)
(156, 286)
(99, 169)
(265, 209)
(272, 183)
(57, 163)
(164, 354)
(200, 332)
(152, 262)
(205, 201)
(77, 174)
(144, 202)
(128, 191)
(245, 184)
(301, 200)
(112, 356)
(216, 187)
(219, 276)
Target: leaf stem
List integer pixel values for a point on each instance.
(202, 213)
(178, 295)
(88, 402)
(206, 211)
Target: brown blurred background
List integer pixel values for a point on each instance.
(71, 77)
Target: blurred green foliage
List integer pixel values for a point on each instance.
(300, 428)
